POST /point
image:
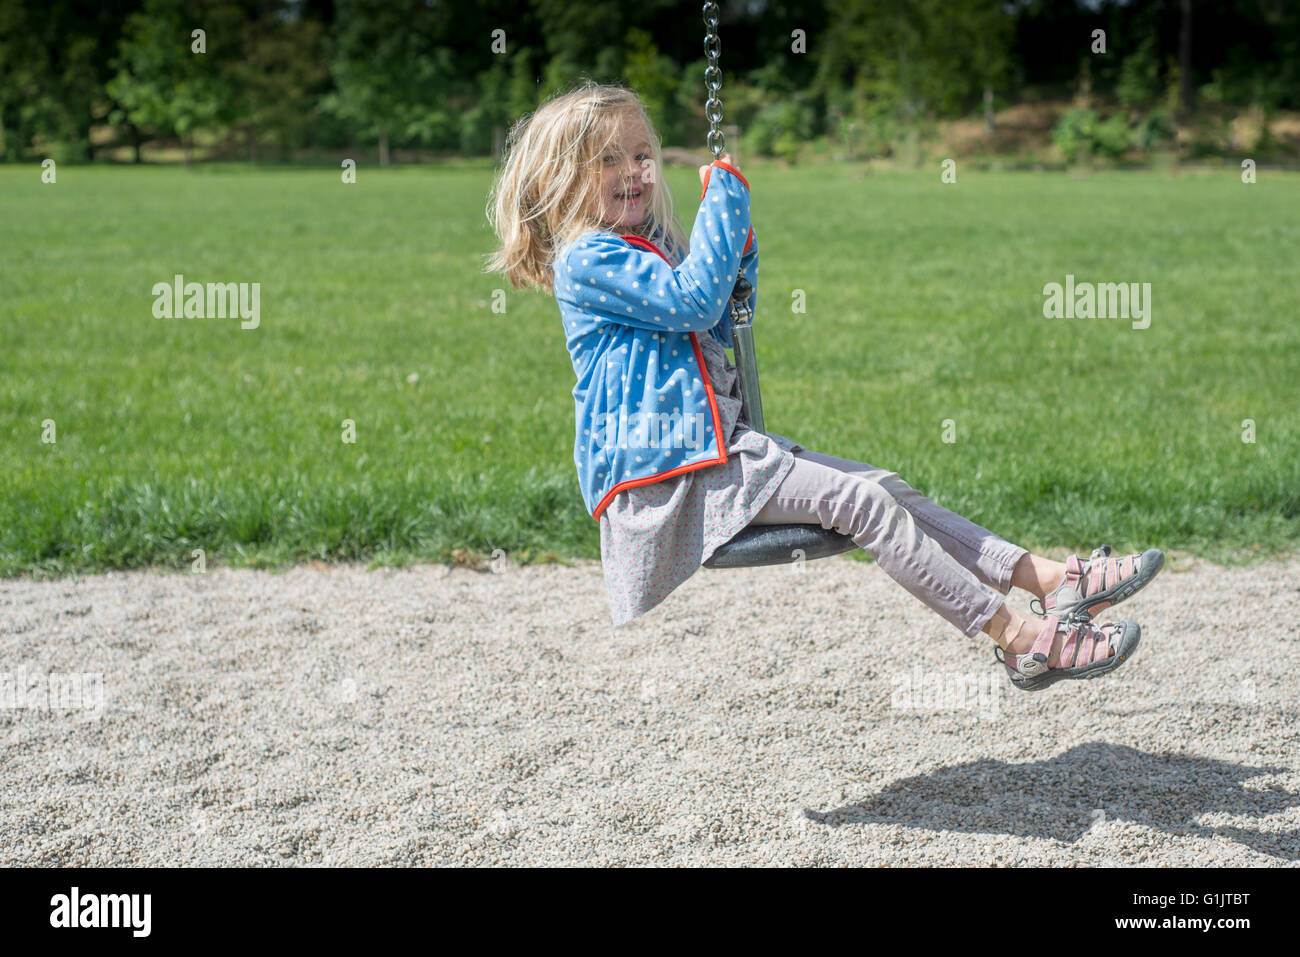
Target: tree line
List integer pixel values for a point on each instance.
(274, 78)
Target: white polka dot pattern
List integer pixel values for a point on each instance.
(615, 293)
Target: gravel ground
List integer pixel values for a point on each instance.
(434, 715)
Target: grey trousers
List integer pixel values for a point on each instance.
(948, 562)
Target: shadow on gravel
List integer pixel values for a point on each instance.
(1061, 798)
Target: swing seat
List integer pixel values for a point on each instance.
(757, 545)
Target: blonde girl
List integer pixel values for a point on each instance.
(665, 463)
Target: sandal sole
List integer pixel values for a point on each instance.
(1153, 559)
(1128, 643)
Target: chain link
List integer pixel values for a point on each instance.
(713, 79)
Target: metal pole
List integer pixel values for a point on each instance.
(742, 340)
(742, 330)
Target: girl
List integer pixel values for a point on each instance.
(665, 464)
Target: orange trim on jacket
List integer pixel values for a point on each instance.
(708, 391)
(729, 168)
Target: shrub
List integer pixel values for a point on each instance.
(1155, 128)
(1111, 137)
(779, 129)
(1081, 134)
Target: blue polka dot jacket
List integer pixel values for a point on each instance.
(632, 308)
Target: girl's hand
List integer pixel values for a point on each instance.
(726, 158)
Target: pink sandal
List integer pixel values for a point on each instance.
(1096, 584)
(1091, 650)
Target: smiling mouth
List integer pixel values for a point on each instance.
(631, 196)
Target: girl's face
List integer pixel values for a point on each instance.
(627, 175)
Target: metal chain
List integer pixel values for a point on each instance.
(713, 79)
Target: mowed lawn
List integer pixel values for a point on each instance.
(924, 303)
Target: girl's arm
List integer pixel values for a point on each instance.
(615, 281)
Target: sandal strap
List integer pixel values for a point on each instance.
(1088, 641)
(1100, 572)
(1080, 646)
(1095, 572)
(1103, 641)
(1112, 572)
(1070, 647)
(1103, 571)
(1074, 572)
(1029, 664)
(1043, 641)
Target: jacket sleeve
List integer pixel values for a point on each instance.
(615, 281)
(749, 263)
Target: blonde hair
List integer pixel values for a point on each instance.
(548, 191)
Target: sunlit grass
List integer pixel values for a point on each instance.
(924, 303)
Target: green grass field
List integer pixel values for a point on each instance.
(924, 303)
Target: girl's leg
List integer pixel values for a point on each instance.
(859, 501)
(1036, 574)
(864, 509)
(994, 561)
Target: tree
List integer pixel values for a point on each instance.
(912, 59)
(55, 57)
(389, 78)
(279, 80)
(163, 82)
(653, 76)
